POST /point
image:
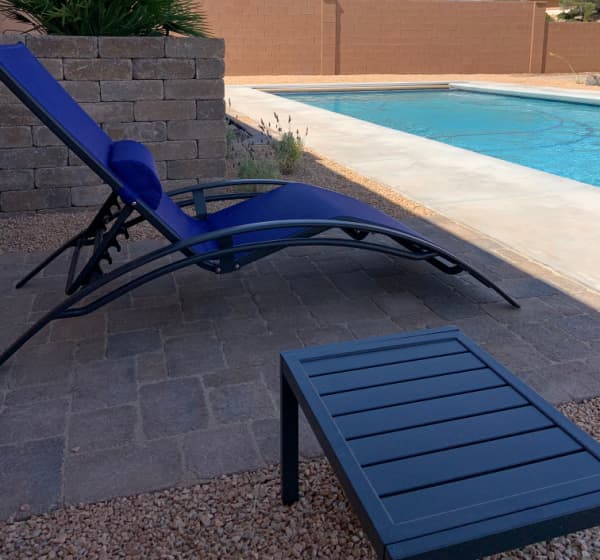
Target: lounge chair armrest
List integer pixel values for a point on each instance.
(199, 199)
(229, 183)
(214, 198)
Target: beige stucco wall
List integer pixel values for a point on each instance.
(395, 36)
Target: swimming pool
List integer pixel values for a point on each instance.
(554, 136)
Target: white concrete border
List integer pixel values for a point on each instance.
(333, 86)
(551, 219)
(550, 93)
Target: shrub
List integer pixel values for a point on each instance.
(258, 169)
(288, 151)
(229, 138)
(108, 17)
(288, 148)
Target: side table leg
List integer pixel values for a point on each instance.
(289, 444)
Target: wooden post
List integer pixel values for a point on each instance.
(538, 37)
(329, 37)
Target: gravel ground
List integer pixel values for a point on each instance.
(240, 516)
(47, 230)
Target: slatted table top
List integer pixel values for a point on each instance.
(442, 451)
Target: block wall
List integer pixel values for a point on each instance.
(388, 36)
(270, 37)
(573, 47)
(165, 92)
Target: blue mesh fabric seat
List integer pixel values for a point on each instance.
(257, 224)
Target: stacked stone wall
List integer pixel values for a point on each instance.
(164, 91)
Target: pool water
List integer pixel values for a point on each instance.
(554, 136)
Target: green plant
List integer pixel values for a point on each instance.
(288, 148)
(288, 151)
(252, 168)
(229, 138)
(579, 10)
(108, 17)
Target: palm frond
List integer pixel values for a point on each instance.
(109, 17)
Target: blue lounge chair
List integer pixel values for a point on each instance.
(289, 215)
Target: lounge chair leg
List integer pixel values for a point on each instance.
(289, 444)
(45, 262)
(29, 333)
(495, 287)
(98, 221)
(58, 312)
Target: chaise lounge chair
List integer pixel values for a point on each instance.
(291, 214)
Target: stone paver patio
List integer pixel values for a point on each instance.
(177, 382)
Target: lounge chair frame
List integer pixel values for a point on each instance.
(108, 224)
(115, 218)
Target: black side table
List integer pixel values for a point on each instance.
(442, 452)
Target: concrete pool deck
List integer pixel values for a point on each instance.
(550, 219)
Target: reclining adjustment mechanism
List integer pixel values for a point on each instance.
(103, 238)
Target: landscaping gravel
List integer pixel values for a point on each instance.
(240, 517)
(47, 230)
